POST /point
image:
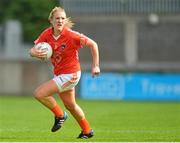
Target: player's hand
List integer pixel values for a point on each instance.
(38, 53)
(95, 71)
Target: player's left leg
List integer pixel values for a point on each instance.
(68, 98)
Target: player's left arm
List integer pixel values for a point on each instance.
(85, 41)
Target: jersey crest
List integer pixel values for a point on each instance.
(63, 46)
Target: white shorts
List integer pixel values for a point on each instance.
(67, 81)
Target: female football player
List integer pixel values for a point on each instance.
(65, 44)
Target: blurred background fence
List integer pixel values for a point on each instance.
(121, 7)
(134, 36)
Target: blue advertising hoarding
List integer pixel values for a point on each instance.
(152, 86)
(131, 86)
(107, 86)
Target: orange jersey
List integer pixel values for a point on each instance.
(65, 49)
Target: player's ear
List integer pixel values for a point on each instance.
(50, 21)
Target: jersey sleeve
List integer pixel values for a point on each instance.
(41, 38)
(79, 39)
(83, 40)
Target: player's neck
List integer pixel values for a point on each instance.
(56, 33)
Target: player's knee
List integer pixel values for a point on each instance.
(38, 94)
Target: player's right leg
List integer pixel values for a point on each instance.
(44, 95)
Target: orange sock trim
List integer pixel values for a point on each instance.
(58, 112)
(84, 124)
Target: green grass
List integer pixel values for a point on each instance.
(24, 119)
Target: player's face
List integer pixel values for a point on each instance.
(58, 20)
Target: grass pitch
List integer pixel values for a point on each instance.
(23, 119)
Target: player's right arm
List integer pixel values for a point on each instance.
(33, 52)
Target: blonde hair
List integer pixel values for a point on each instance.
(68, 22)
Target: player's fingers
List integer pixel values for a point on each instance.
(95, 74)
(41, 53)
